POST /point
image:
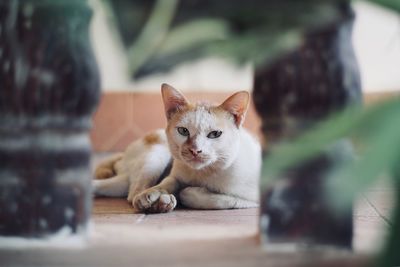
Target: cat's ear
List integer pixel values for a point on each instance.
(173, 100)
(237, 105)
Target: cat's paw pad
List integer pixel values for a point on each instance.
(154, 201)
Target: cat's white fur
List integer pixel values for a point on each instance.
(137, 169)
(219, 173)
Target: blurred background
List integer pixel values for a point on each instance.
(376, 40)
(208, 54)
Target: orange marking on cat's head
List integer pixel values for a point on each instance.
(237, 105)
(152, 139)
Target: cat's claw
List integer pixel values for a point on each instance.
(154, 201)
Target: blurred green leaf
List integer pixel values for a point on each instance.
(193, 33)
(390, 256)
(310, 144)
(254, 31)
(260, 49)
(153, 34)
(381, 153)
(382, 146)
(391, 4)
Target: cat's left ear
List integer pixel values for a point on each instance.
(237, 105)
(173, 100)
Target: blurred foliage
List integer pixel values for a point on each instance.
(244, 31)
(161, 34)
(391, 4)
(376, 130)
(154, 33)
(391, 255)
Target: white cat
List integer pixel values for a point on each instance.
(215, 162)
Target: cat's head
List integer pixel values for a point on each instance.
(202, 135)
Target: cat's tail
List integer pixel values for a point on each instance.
(106, 168)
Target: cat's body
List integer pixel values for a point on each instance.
(215, 162)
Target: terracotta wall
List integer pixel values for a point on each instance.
(125, 116)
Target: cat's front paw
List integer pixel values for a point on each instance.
(154, 201)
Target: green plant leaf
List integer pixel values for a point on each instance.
(381, 140)
(192, 34)
(380, 155)
(391, 4)
(152, 35)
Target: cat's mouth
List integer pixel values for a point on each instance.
(196, 161)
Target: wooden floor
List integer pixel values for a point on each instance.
(114, 220)
(117, 237)
(198, 238)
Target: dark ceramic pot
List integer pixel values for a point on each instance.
(291, 95)
(49, 87)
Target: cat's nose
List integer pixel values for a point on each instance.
(194, 152)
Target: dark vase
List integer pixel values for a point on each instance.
(49, 87)
(291, 95)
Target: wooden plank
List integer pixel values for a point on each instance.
(181, 238)
(233, 252)
(112, 206)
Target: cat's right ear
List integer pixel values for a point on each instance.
(173, 100)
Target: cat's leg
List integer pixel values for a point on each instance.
(153, 164)
(159, 198)
(106, 168)
(116, 186)
(145, 181)
(201, 198)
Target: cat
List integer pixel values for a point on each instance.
(204, 159)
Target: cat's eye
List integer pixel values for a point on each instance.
(183, 131)
(214, 134)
